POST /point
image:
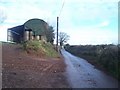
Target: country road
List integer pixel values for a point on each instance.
(81, 74)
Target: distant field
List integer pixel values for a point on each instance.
(102, 56)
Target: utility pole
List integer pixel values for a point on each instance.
(57, 34)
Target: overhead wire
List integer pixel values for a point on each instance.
(61, 8)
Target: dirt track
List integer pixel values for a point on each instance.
(20, 70)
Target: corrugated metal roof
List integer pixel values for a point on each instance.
(38, 26)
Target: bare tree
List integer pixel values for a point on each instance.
(2, 16)
(63, 38)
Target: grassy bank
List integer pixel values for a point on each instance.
(40, 48)
(102, 56)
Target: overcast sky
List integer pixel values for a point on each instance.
(85, 21)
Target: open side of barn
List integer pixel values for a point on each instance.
(30, 30)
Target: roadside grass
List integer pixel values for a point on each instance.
(40, 48)
(49, 50)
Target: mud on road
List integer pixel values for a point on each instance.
(23, 71)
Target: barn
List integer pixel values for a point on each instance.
(30, 30)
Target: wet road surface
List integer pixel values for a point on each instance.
(81, 74)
